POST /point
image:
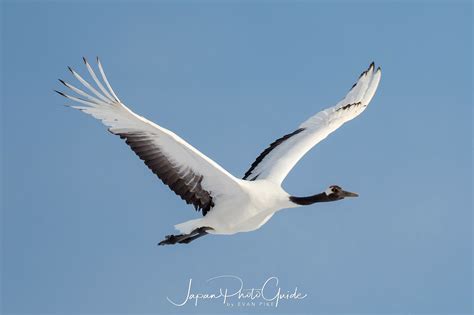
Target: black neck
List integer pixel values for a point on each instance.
(304, 201)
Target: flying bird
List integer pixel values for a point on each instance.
(228, 204)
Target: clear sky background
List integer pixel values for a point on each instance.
(82, 214)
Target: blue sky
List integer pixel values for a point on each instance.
(81, 215)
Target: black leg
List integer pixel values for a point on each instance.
(185, 238)
(173, 239)
(192, 238)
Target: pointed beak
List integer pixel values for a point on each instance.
(350, 194)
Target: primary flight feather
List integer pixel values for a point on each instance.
(229, 205)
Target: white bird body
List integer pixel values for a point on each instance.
(243, 212)
(229, 205)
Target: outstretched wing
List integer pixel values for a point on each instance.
(197, 179)
(281, 156)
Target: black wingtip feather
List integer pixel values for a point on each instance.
(60, 93)
(84, 59)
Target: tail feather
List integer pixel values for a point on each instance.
(189, 226)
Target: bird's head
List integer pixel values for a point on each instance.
(335, 192)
